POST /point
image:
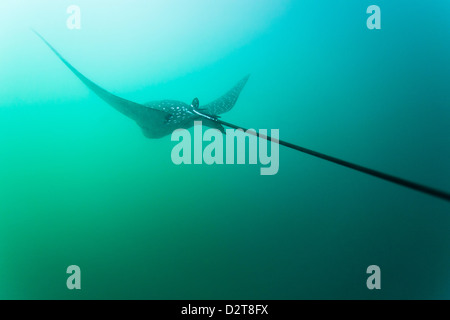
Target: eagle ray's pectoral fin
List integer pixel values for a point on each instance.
(226, 102)
(133, 110)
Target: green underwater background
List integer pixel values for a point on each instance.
(81, 185)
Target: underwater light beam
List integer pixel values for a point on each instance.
(160, 118)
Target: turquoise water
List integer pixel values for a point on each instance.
(80, 184)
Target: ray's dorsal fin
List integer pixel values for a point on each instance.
(195, 103)
(129, 108)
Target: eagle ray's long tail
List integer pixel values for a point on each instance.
(399, 181)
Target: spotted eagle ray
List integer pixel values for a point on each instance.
(160, 118)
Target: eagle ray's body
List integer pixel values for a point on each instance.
(160, 118)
